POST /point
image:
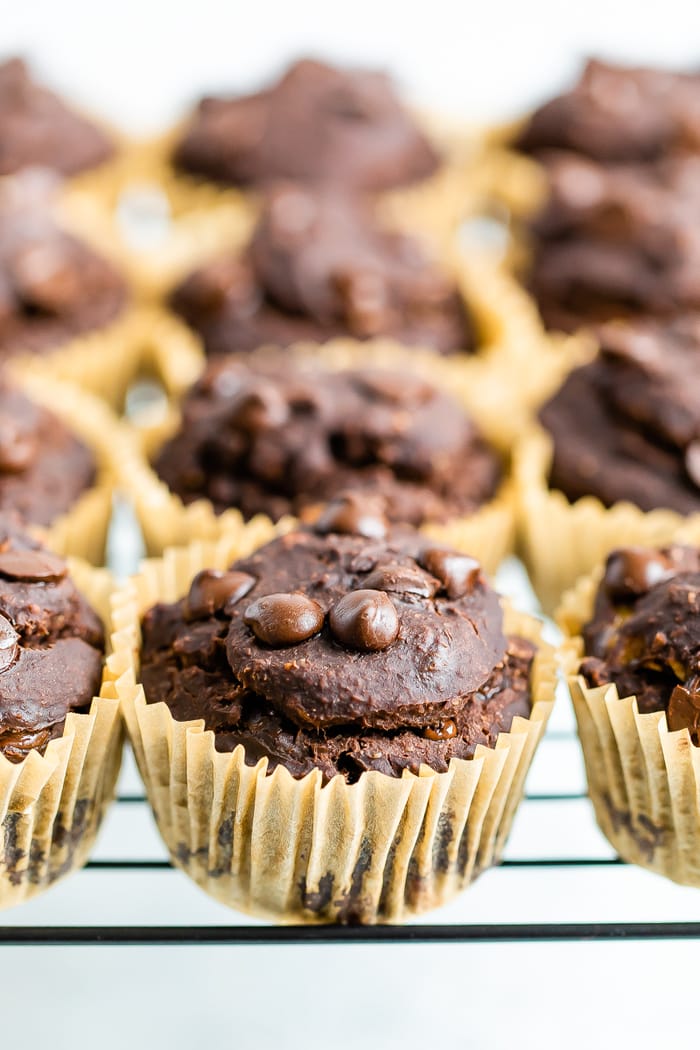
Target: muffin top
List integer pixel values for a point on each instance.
(276, 437)
(644, 634)
(619, 113)
(332, 650)
(626, 426)
(320, 266)
(51, 644)
(52, 286)
(316, 124)
(37, 129)
(44, 467)
(617, 240)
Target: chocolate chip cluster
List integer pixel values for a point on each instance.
(343, 652)
(51, 644)
(279, 437)
(645, 636)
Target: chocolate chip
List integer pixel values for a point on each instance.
(365, 620)
(284, 619)
(46, 276)
(443, 730)
(32, 566)
(213, 590)
(17, 449)
(395, 387)
(634, 571)
(692, 462)
(8, 643)
(402, 579)
(684, 707)
(259, 406)
(458, 573)
(355, 515)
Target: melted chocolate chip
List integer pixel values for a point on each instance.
(284, 619)
(32, 566)
(444, 730)
(366, 620)
(8, 643)
(401, 579)
(458, 573)
(634, 571)
(213, 590)
(354, 515)
(684, 708)
(260, 407)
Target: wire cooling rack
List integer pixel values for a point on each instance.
(559, 879)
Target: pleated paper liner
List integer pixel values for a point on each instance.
(82, 530)
(291, 850)
(643, 780)
(562, 540)
(166, 521)
(51, 805)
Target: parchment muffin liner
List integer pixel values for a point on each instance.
(82, 530)
(643, 779)
(562, 540)
(51, 805)
(381, 849)
(166, 521)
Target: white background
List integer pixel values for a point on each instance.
(140, 64)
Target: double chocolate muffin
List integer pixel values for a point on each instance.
(53, 287)
(626, 426)
(619, 113)
(644, 634)
(342, 652)
(316, 124)
(51, 644)
(318, 266)
(37, 129)
(44, 467)
(617, 240)
(278, 437)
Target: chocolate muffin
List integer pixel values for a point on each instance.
(51, 644)
(316, 124)
(626, 425)
(275, 437)
(44, 467)
(619, 113)
(615, 241)
(320, 266)
(341, 652)
(52, 286)
(37, 129)
(644, 634)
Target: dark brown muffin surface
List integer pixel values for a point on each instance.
(44, 467)
(341, 652)
(619, 113)
(278, 438)
(616, 241)
(316, 124)
(627, 425)
(37, 129)
(320, 266)
(644, 634)
(51, 644)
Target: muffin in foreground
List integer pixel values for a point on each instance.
(634, 656)
(359, 711)
(615, 459)
(60, 747)
(320, 264)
